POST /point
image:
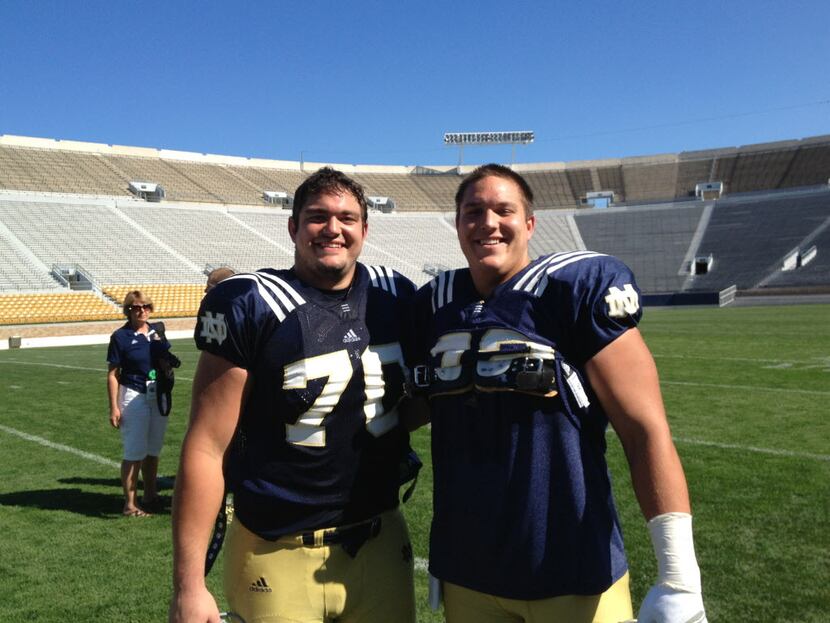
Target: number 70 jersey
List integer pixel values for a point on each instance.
(319, 442)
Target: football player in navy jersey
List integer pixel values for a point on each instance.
(297, 391)
(524, 364)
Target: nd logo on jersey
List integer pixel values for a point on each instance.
(214, 327)
(622, 303)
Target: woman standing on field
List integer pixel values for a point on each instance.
(136, 351)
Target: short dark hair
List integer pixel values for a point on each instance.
(324, 181)
(495, 170)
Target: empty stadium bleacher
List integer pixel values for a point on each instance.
(170, 300)
(652, 240)
(68, 204)
(813, 274)
(69, 167)
(33, 308)
(748, 237)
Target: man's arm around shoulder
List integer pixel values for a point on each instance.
(218, 394)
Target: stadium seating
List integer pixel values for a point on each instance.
(69, 206)
(208, 236)
(814, 273)
(42, 165)
(809, 166)
(440, 189)
(652, 240)
(55, 307)
(407, 194)
(18, 272)
(649, 182)
(54, 170)
(692, 169)
(748, 238)
(555, 231)
(95, 237)
(551, 189)
(170, 300)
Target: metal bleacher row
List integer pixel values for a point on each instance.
(748, 237)
(70, 207)
(126, 244)
(44, 165)
(664, 230)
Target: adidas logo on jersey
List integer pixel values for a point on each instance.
(350, 337)
(260, 586)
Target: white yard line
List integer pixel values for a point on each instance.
(420, 563)
(700, 442)
(61, 365)
(60, 446)
(781, 390)
(747, 359)
(754, 388)
(736, 446)
(50, 365)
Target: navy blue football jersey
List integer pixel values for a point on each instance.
(319, 442)
(523, 506)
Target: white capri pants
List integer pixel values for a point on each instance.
(142, 427)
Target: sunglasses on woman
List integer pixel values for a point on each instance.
(145, 307)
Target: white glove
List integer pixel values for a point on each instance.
(677, 596)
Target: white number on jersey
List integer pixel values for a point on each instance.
(336, 368)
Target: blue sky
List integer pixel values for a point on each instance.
(380, 82)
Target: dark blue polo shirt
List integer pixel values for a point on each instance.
(130, 351)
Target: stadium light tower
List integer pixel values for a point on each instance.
(522, 137)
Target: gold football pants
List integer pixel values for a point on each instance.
(463, 605)
(300, 579)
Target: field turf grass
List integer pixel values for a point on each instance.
(747, 394)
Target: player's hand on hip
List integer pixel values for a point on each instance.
(193, 606)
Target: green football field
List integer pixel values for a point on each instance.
(746, 389)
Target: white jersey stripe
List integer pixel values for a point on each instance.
(372, 276)
(552, 269)
(382, 281)
(528, 281)
(532, 271)
(439, 302)
(269, 300)
(391, 276)
(536, 270)
(378, 278)
(284, 301)
(383, 277)
(450, 286)
(285, 287)
(280, 314)
(442, 289)
(433, 284)
(552, 264)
